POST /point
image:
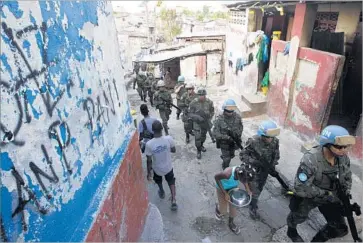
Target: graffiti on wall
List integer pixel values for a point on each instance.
(65, 122)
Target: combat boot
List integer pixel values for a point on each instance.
(203, 149)
(294, 235)
(187, 138)
(225, 165)
(328, 232)
(253, 209)
(199, 154)
(166, 130)
(177, 116)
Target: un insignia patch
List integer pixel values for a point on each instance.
(303, 177)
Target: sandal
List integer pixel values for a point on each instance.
(219, 216)
(234, 229)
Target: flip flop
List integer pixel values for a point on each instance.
(219, 216)
(235, 229)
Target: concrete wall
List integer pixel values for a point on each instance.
(68, 144)
(213, 68)
(195, 69)
(304, 103)
(187, 69)
(246, 80)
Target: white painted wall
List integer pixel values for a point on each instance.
(83, 63)
(213, 68)
(247, 79)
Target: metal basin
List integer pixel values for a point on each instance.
(239, 197)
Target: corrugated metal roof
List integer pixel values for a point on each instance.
(201, 34)
(199, 48)
(171, 47)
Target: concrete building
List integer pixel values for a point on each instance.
(198, 62)
(70, 160)
(317, 80)
(135, 31)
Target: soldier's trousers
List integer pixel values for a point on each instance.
(164, 115)
(151, 96)
(200, 135)
(227, 155)
(178, 112)
(257, 186)
(142, 92)
(300, 208)
(188, 126)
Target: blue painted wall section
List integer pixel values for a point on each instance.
(65, 121)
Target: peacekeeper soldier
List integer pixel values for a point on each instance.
(201, 110)
(179, 91)
(315, 184)
(162, 101)
(185, 100)
(140, 80)
(149, 82)
(262, 152)
(227, 124)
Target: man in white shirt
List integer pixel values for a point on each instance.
(158, 153)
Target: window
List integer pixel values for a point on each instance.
(326, 21)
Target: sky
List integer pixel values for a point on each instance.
(133, 6)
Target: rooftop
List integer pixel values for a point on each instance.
(201, 34)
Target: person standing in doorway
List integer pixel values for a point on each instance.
(158, 153)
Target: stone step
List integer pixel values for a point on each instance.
(256, 102)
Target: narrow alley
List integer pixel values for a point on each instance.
(196, 195)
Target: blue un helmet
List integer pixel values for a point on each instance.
(336, 135)
(181, 79)
(229, 105)
(268, 129)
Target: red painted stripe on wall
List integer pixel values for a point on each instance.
(123, 213)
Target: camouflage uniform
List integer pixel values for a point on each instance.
(313, 190)
(163, 107)
(150, 86)
(141, 89)
(222, 125)
(179, 90)
(184, 105)
(201, 113)
(264, 157)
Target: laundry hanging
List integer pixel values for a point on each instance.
(262, 54)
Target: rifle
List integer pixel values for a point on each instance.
(278, 177)
(348, 210)
(170, 103)
(207, 125)
(236, 140)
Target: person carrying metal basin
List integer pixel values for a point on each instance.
(229, 195)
